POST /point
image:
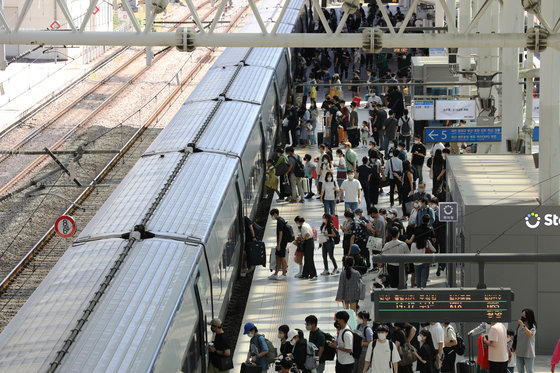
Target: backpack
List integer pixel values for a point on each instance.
(336, 238)
(405, 127)
(311, 360)
(329, 353)
(289, 232)
(460, 346)
(406, 352)
(299, 170)
(391, 347)
(356, 343)
(283, 167)
(272, 351)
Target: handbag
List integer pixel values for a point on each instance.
(362, 290)
(406, 353)
(224, 363)
(375, 243)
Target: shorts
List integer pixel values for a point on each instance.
(282, 252)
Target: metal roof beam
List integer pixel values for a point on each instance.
(408, 16)
(385, 16)
(24, 11)
(281, 16)
(324, 22)
(89, 13)
(131, 16)
(478, 15)
(66, 12)
(195, 16)
(4, 20)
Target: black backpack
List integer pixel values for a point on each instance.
(405, 126)
(336, 238)
(460, 346)
(287, 231)
(391, 346)
(298, 169)
(356, 343)
(329, 353)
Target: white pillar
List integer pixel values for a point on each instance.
(529, 94)
(464, 59)
(451, 4)
(511, 20)
(549, 166)
(149, 51)
(440, 14)
(3, 63)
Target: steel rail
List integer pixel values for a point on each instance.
(73, 104)
(105, 171)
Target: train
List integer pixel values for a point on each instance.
(135, 290)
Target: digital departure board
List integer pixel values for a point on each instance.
(445, 304)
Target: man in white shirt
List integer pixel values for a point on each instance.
(393, 172)
(436, 330)
(373, 99)
(343, 344)
(497, 348)
(437, 146)
(352, 190)
(382, 354)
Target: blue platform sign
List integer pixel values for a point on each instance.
(536, 134)
(463, 134)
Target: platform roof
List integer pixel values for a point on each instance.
(480, 180)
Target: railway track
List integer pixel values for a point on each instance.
(23, 279)
(63, 124)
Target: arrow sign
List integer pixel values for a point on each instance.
(463, 134)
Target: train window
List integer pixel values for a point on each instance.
(193, 362)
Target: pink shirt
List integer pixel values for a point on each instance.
(555, 356)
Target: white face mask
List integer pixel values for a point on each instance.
(416, 205)
(359, 321)
(293, 342)
(329, 178)
(381, 336)
(420, 338)
(250, 335)
(390, 216)
(417, 141)
(350, 177)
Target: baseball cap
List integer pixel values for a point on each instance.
(216, 322)
(248, 327)
(355, 249)
(359, 211)
(291, 334)
(393, 211)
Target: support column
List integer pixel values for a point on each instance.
(3, 63)
(511, 20)
(549, 167)
(464, 58)
(529, 94)
(149, 51)
(440, 14)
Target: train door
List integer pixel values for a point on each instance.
(196, 360)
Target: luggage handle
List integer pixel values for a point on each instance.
(471, 349)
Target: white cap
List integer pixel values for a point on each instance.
(291, 334)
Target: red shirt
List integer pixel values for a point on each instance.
(482, 358)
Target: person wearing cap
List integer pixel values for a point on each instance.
(382, 355)
(299, 349)
(219, 348)
(257, 346)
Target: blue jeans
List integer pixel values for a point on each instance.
(329, 205)
(422, 272)
(350, 205)
(525, 363)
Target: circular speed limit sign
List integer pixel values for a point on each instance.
(65, 226)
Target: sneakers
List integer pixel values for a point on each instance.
(301, 200)
(299, 275)
(273, 277)
(313, 278)
(335, 271)
(281, 278)
(325, 273)
(292, 200)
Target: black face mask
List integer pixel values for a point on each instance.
(524, 319)
(336, 325)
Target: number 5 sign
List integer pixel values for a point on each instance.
(65, 226)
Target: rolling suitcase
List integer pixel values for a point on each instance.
(256, 253)
(250, 368)
(354, 136)
(468, 366)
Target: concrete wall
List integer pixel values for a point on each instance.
(502, 229)
(43, 13)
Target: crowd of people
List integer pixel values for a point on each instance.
(361, 345)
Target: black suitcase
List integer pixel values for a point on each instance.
(470, 365)
(319, 138)
(250, 368)
(354, 136)
(256, 253)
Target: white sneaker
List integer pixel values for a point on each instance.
(313, 278)
(299, 275)
(335, 271)
(325, 273)
(281, 278)
(273, 277)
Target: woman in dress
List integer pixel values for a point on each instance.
(349, 285)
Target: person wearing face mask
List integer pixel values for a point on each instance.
(393, 172)
(367, 338)
(341, 170)
(425, 209)
(299, 349)
(525, 341)
(352, 190)
(418, 156)
(317, 337)
(305, 238)
(427, 354)
(421, 193)
(343, 343)
(328, 231)
(324, 166)
(219, 348)
(393, 221)
(328, 193)
(257, 346)
(285, 346)
(382, 354)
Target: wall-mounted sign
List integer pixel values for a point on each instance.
(423, 110)
(455, 109)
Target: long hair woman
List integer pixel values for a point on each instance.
(349, 285)
(328, 231)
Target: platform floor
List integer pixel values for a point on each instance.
(273, 303)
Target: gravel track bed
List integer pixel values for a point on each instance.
(24, 219)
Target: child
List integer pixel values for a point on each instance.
(271, 183)
(309, 130)
(511, 353)
(365, 133)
